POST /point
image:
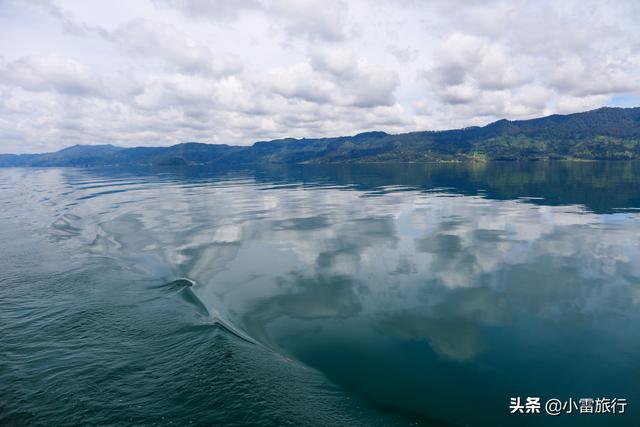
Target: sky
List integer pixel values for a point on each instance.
(162, 72)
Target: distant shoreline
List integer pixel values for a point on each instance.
(602, 134)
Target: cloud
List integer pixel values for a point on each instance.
(142, 37)
(336, 76)
(316, 20)
(176, 91)
(579, 76)
(66, 20)
(166, 71)
(571, 104)
(558, 49)
(323, 20)
(215, 10)
(402, 54)
(52, 73)
(467, 65)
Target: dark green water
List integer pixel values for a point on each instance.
(333, 296)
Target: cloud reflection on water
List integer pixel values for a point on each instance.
(328, 271)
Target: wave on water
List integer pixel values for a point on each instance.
(184, 288)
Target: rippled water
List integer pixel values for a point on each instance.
(334, 295)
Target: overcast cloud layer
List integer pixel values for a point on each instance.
(161, 72)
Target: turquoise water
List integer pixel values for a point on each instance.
(318, 295)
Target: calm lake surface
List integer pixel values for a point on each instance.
(318, 295)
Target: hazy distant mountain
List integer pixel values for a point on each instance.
(605, 133)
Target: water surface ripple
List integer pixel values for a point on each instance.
(317, 295)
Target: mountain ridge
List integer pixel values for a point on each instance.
(607, 133)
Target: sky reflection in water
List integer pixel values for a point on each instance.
(423, 289)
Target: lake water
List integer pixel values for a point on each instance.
(318, 295)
